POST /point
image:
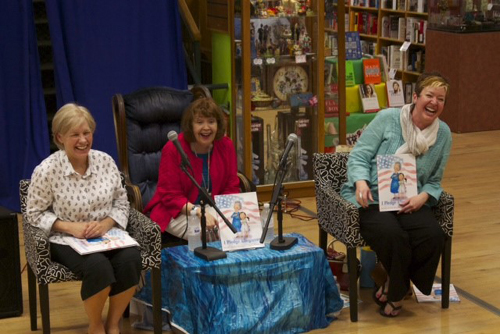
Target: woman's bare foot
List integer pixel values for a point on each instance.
(391, 309)
(380, 295)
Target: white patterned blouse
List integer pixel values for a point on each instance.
(57, 191)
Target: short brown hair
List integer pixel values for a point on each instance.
(432, 79)
(205, 107)
(69, 116)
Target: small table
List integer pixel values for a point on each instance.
(250, 291)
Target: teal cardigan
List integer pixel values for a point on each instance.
(384, 136)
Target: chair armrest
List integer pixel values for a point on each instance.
(444, 212)
(134, 196)
(37, 248)
(148, 234)
(245, 184)
(338, 216)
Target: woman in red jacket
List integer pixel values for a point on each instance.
(213, 159)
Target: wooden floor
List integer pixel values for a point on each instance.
(472, 176)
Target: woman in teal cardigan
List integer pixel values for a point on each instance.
(408, 242)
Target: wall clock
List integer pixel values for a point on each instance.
(288, 80)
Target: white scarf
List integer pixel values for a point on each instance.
(417, 141)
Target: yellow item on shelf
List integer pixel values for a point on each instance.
(353, 100)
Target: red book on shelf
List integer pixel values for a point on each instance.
(371, 71)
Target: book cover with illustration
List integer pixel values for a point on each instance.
(369, 99)
(436, 294)
(113, 239)
(242, 211)
(397, 180)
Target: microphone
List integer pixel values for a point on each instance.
(173, 137)
(292, 139)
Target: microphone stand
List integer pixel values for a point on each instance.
(280, 242)
(204, 252)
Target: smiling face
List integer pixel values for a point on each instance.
(428, 106)
(204, 132)
(77, 142)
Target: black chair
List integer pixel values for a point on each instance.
(42, 270)
(340, 218)
(142, 121)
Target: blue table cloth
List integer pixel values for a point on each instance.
(251, 291)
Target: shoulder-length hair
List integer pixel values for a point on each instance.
(205, 107)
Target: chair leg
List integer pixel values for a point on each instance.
(323, 239)
(353, 282)
(32, 298)
(157, 316)
(43, 290)
(446, 273)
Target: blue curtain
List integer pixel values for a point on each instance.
(24, 138)
(115, 46)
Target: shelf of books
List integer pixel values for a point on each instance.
(385, 53)
(383, 27)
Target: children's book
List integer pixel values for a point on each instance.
(395, 94)
(242, 211)
(436, 294)
(397, 180)
(369, 99)
(113, 239)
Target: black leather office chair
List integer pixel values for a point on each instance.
(142, 121)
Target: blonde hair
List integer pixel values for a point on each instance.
(433, 80)
(68, 117)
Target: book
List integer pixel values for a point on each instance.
(386, 22)
(436, 294)
(395, 55)
(371, 71)
(383, 67)
(242, 211)
(369, 98)
(115, 238)
(401, 28)
(408, 93)
(350, 79)
(352, 45)
(397, 180)
(393, 26)
(395, 95)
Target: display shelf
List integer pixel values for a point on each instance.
(277, 77)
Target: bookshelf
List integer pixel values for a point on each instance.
(384, 26)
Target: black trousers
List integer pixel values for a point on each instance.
(119, 268)
(408, 245)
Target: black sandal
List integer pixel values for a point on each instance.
(377, 300)
(394, 308)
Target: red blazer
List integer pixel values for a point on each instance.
(174, 187)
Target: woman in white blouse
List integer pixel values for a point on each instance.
(77, 191)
